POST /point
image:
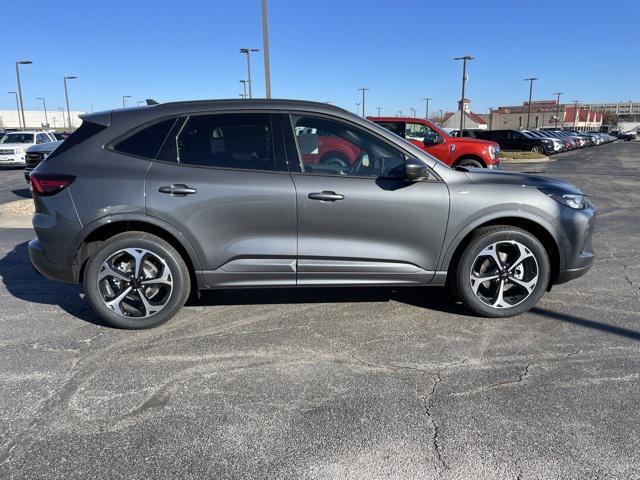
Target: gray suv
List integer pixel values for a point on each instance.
(146, 205)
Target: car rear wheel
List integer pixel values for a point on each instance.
(136, 280)
(502, 272)
(537, 149)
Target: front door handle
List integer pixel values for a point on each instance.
(177, 190)
(326, 196)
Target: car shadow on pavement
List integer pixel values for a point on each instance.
(583, 322)
(22, 192)
(23, 282)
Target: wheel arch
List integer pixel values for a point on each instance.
(90, 238)
(471, 156)
(537, 227)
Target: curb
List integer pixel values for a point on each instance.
(526, 160)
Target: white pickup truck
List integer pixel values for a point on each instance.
(14, 145)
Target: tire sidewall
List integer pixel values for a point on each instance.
(470, 162)
(158, 247)
(476, 246)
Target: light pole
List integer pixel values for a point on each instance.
(248, 51)
(413, 112)
(124, 100)
(44, 106)
(426, 108)
(66, 96)
(464, 59)
(441, 116)
(17, 106)
(64, 123)
(379, 110)
(265, 49)
(575, 118)
(92, 105)
(357, 108)
(557, 94)
(364, 89)
(530, 80)
(244, 86)
(18, 63)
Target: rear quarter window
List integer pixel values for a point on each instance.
(86, 131)
(147, 141)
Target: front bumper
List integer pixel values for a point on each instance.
(12, 160)
(578, 226)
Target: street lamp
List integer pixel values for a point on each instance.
(575, 118)
(530, 80)
(124, 100)
(244, 86)
(357, 108)
(464, 59)
(364, 89)
(44, 106)
(557, 94)
(248, 51)
(426, 109)
(64, 123)
(17, 105)
(413, 112)
(265, 47)
(66, 96)
(18, 63)
(379, 110)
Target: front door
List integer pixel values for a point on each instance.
(216, 180)
(355, 224)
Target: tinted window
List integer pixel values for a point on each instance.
(420, 132)
(42, 138)
(86, 131)
(395, 127)
(330, 147)
(147, 141)
(226, 141)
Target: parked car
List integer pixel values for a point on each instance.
(558, 145)
(627, 136)
(463, 152)
(516, 140)
(36, 154)
(142, 205)
(14, 145)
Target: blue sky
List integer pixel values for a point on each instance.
(322, 50)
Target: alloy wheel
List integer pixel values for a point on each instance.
(135, 282)
(504, 274)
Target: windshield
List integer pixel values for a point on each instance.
(17, 138)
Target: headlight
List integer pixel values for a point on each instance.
(572, 200)
(494, 152)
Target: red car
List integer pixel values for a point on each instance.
(463, 152)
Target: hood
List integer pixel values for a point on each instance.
(496, 177)
(14, 146)
(44, 147)
(474, 141)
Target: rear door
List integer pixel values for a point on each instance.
(216, 180)
(356, 225)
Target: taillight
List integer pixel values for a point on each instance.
(49, 183)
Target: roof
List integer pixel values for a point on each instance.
(470, 115)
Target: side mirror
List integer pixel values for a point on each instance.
(412, 171)
(433, 140)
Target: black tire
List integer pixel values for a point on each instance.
(483, 238)
(174, 261)
(469, 162)
(537, 149)
(336, 159)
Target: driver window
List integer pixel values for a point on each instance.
(329, 147)
(421, 133)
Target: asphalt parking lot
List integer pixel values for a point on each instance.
(325, 383)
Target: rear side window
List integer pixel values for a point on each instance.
(86, 131)
(242, 140)
(146, 142)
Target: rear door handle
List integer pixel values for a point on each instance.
(326, 196)
(177, 190)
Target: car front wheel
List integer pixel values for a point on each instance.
(537, 149)
(136, 280)
(502, 272)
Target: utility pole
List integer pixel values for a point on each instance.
(247, 52)
(379, 110)
(364, 89)
(18, 63)
(557, 94)
(357, 108)
(413, 112)
(265, 49)
(530, 80)
(464, 59)
(426, 108)
(44, 106)
(66, 96)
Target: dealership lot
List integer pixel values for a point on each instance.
(322, 383)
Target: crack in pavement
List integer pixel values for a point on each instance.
(521, 376)
(426, 403)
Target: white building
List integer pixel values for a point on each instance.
(472, 121)
(35, 119)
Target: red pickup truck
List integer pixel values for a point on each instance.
(463, 152)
